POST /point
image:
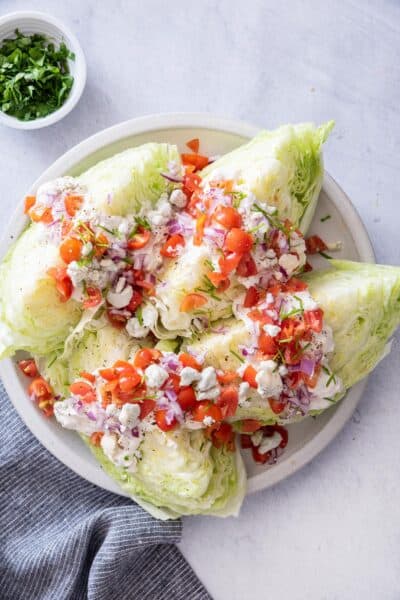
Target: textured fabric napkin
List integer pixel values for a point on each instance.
(63, 538)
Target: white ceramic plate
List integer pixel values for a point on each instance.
(217, 136)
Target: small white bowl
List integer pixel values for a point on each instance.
(29, 22)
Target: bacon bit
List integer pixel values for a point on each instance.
(29, 203)
(96, 438)
(194, 145)
(315, 244)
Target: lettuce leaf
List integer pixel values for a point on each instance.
(129, 182)
(181, 473)
(32, 317)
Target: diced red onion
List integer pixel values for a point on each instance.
(173, 178)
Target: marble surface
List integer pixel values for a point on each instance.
(332, 531)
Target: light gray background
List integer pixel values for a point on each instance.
(333, 530)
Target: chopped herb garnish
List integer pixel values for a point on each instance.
(139, 315)
(237, 197)
(113, 232)
(329, 400)
(209, 264)
(208, 288)
(325, 255)
(323, 219)
(330, 374)
(34, 76)
(143, 222)
(236, 355)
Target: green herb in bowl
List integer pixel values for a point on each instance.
(34, 76)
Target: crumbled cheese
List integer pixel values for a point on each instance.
(156, 376)
(161, 215)
(178, 198)
(129, 415)
(244, 388)
(271, 330)
(268, 379)
(188, 376)
(87, 249)
(207, 387)
(269, 443)
(120, 299)
(135, 329)
(289, 262)
(257, 437)
(208, 421)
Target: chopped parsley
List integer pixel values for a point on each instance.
(34, 76)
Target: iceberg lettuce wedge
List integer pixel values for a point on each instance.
(32, 317)
(361, 304)
(281, 168)
(129, 182)
(181, 473)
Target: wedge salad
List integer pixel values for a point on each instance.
(170, 315)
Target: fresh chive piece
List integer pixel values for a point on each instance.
(325, 255)
(326, 218)
(236, 355)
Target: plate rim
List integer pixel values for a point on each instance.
(180, 120)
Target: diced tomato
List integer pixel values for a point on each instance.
(269, 431)
(250, 425)
(228, 217)
(71, 249)
(88, 376)
(229, 262)
(135, 301)
(291, 329)
(292, 353)
(194, 145)
(80, 388)
(295, 285)
(307, 267)
(192, 301)
(124, 368)
(187, 360)
(197, 160)
(200, 224)
(163, 422)
(228, 401)
(204, 409)
(101, 243)
(223, 286)
(191, 183)
(173, 382)
(251, 298)
(28, 367)
(277, 405)
(127, 383)
(312, 380)
(216, 278)
(145, 357)
(39, 389)
(246, 267)
(63, 282)
(256, 315)
(267, 344)
(238, 240)
(258, 457)
(314, 319)
(227, 377)
(170, 249)
(93, 299)
(315, 244)
(109, 374)
(224, 436)
(146, 407)
(66, 227)
(46, 216)
(96, 437)
(245, 441)
(187, 398)
(118, 321)
(72, 204)
(140, 239)
(249, 375)
(29, 203)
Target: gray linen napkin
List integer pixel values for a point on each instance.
(64, 538)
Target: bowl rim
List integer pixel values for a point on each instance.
(80, 75)
(141, 125)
